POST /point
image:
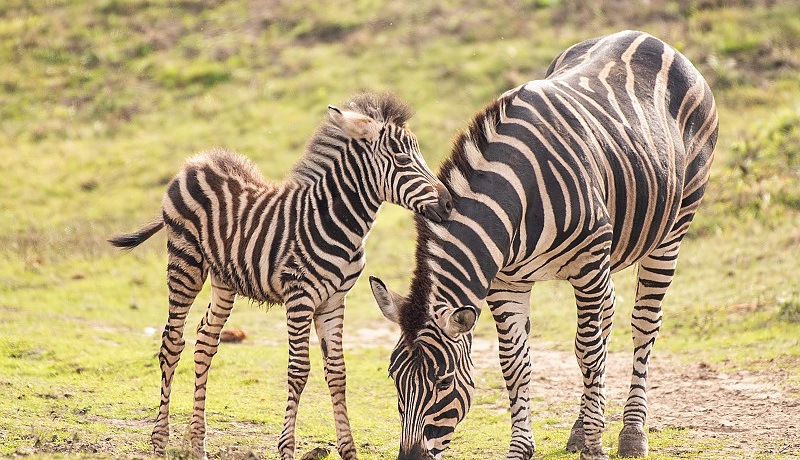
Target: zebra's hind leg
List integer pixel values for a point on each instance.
(329, 321)
(654, 277)
(594, 294)
(299, 313)
(510, 307)
(208, 332)
(185, 277)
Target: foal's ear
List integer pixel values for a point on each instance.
(388, 301)
(355, 125)
(461, 321)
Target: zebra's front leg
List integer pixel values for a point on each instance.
(510, 307)
(329, 322)
(654, 277)
(208, 332)
(594, 294)
(299, 312)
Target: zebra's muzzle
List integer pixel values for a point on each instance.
(439, 211)
(417, 452)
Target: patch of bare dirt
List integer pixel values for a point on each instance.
(749, 412)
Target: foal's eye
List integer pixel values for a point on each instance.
(402, 159)
(444, 383)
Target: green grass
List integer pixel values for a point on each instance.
(102, 101)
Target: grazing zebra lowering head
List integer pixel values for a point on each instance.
(299, 242)
(599, 166)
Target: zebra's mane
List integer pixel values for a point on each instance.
(382, 107)
(415, 311)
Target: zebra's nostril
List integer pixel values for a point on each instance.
(448, 206)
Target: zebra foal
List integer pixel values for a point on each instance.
(599, 166)
(299, 243)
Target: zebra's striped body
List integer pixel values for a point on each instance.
(299, 242)
(599, 166)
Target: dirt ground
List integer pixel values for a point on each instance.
(751, 413)
(745, 413)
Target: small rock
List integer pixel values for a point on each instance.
(24, 451)
(316, 454)
(232, 335)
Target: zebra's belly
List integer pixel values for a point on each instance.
(244, 281)
(294, 273)
(555, 255)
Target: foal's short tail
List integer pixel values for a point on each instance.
(131, 240)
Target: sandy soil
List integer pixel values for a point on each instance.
(750, 413)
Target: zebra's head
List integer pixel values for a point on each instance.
(388, 151)
(432, 371)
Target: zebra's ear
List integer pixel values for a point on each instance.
(388, 301)
(355, 125)
(462, 320)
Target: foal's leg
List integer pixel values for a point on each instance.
(510, 307)
(594, 294)
(328, 322)
(206, 347)
(299, 313)
(654, 277)
(186, 274)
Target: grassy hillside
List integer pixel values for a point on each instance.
(101, 101)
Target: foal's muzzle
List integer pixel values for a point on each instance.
(439, 211)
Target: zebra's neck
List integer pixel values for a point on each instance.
(455, 265)
(339, 195)
(457, 260)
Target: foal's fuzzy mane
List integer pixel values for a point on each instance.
(414, 312)
(382, 107)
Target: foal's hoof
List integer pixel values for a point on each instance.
(159, 443)
(594, 453)
(576, 437)
(632, 441)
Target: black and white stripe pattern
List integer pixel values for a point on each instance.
(599, 166)
(300, 243)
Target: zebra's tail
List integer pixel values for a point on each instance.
(131, 240)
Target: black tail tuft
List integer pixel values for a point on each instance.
(131, 240)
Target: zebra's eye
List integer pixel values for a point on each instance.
(402, 158)
(444, 383)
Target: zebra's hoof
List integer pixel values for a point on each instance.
(159, 443)
(632, 441)
(576, 437)
(593, 453)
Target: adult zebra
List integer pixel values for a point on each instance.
(574, 177)
(300, 243)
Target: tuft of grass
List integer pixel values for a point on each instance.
(789, 309)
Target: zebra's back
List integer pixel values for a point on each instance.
(621, 133)
(220, 205)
